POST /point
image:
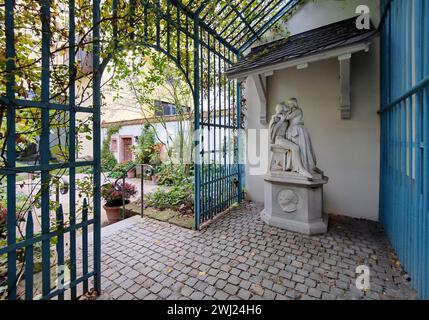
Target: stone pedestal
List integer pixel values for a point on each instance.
(294, 203)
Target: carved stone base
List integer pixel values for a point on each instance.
(295, 204)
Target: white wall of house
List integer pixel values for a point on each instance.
(319, 13)
(347, 150)
(315, 14)
(165, 133)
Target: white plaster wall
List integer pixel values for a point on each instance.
(347, 150)
(317, 13)
(167, 132)
(322, 12)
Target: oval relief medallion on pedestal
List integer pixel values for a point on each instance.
(288, 200)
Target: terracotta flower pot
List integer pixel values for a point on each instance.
(113, 214)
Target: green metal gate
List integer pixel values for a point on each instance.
(202, 37)
(48, 242)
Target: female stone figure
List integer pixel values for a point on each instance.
(299, 135)
(279, 128)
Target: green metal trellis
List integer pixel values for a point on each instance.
(210, 50)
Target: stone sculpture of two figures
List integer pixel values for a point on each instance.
(294, 184)
(291, 144)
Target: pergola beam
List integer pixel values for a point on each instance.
(267, 25)
(219, 13)
(207, 28)
(201, 7)
(247, 24)
(261, 15)
(230, 23)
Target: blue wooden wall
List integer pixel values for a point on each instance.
(404, 190)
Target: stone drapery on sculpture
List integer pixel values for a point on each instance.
(290, 142)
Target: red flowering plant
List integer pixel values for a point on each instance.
(114, 193)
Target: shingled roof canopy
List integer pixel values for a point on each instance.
(334, 36)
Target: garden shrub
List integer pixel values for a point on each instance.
(174, 174)
(147, 150)
(120, 169)
(179, 198)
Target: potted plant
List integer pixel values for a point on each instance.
(113, 195)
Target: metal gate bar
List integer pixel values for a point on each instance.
(217, 175)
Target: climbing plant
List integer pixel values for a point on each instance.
(108, 160)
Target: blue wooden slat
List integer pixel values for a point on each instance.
(425, 222)
(405, 134)
(414, 268)
(401, 116)
(409, 81)
(417, 195)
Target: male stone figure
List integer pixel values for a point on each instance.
(288, 132)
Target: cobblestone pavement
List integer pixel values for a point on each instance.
(239, 257)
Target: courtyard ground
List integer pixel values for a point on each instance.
(239, 257)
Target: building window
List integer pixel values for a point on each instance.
(163, 108)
